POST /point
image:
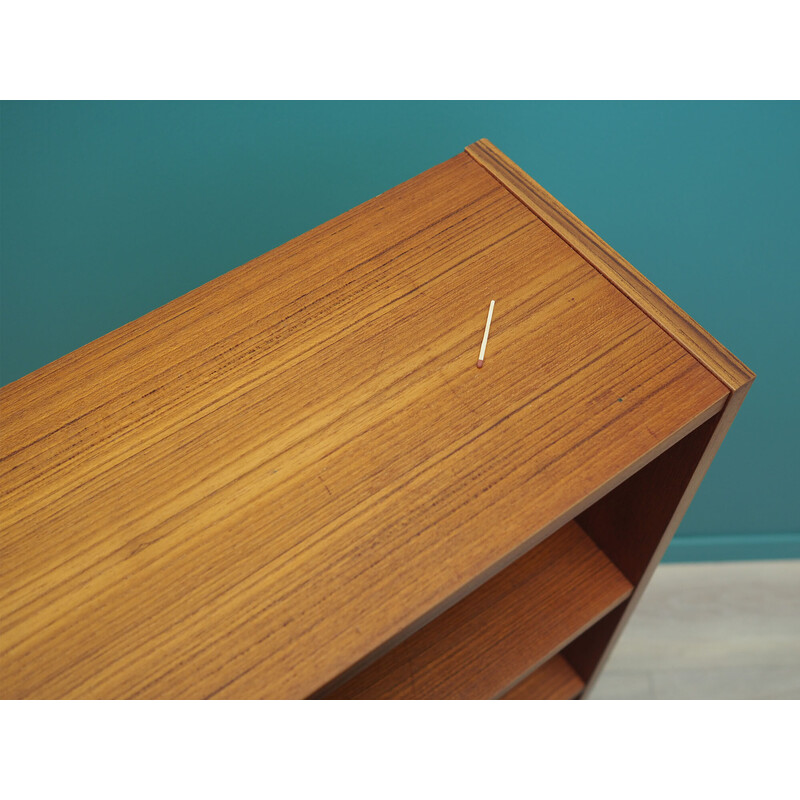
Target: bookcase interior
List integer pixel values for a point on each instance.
(540, 628)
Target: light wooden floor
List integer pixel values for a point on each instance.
(711, 631)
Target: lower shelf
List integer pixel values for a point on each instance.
(554, 680)
(516, 620)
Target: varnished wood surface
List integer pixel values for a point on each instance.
(248, 490)
(554, 680)
(483, 644)
(729, 369)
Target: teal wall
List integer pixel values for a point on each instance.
(111, 209)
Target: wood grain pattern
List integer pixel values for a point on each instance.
(704, 347)
(251, 489)
(554, 680)
(483, 644)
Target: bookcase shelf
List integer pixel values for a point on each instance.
(508, 626)
(553, 680)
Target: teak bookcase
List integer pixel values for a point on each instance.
(293, 481)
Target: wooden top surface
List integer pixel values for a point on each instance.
(251, 488)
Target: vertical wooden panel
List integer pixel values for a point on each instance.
(628, 522)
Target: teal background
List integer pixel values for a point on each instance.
(110, 209)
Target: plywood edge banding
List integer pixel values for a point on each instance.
(652, 301)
